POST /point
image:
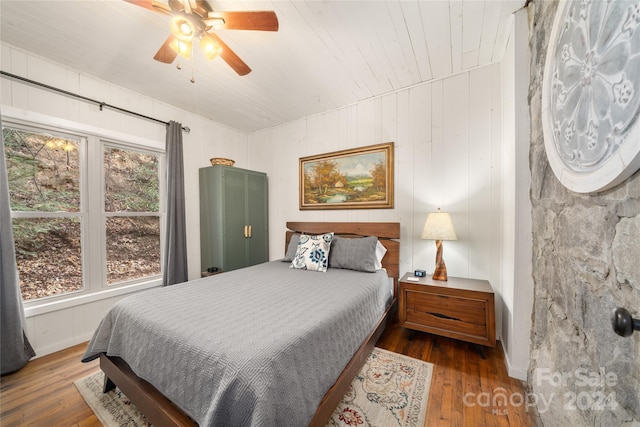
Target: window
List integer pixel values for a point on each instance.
(43, 172)
(132, 205)
(87, 212)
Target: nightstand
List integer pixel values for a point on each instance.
(459, 308)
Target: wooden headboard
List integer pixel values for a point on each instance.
(387, 233)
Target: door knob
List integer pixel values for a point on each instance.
(622, 322)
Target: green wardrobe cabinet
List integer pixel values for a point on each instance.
(234, 230)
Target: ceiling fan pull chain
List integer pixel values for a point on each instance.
(193, 66)
(196, 19)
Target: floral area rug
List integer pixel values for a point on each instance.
(390, 390)
(113, 409)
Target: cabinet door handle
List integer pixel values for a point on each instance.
(245, 231)
(249, 231)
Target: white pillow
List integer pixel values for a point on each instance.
(313, 252)
(380, 252)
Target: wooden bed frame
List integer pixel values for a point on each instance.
(162, 412)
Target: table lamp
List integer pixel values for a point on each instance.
(439, 227)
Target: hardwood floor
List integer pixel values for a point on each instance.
(42, 393)
(466, 390)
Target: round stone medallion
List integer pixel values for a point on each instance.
(591, 94)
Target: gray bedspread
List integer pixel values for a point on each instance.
(253, 347)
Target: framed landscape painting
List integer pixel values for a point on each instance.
(359, 178)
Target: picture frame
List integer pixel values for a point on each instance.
(358, 178)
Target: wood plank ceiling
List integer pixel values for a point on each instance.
(326, 55)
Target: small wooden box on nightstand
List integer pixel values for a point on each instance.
(459, 308)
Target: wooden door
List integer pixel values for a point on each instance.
(234, 222)
(257, 219)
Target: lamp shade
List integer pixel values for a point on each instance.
(183, 48)
(210, 47)
(438, 226)
(182, 28)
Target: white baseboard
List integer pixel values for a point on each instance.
(516, 372)
(62, 345)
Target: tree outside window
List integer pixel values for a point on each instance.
(69, 226)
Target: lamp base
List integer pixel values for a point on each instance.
(440, 272)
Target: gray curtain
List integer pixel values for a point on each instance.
(175, 254)
(15, 349)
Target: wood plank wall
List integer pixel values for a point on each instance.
(447, 137)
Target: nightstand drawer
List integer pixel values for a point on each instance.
(459, 308)
(449, 313)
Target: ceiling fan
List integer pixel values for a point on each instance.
(195, 19)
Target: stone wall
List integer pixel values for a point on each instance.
(586, 262)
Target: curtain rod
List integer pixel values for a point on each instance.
(84, 98)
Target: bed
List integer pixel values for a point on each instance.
(265, 345)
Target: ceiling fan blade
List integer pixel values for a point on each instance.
(265, 20)
(231, 58)
(152, 5)
(166, 54)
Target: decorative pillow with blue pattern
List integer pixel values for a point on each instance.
(313, 252)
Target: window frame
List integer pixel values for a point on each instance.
(92, 209)
(104, 144)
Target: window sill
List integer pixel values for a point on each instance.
(41, 307)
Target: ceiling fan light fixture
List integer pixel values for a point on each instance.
(210, 47)
(182, 28)
(194, 18)
(183, 48)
